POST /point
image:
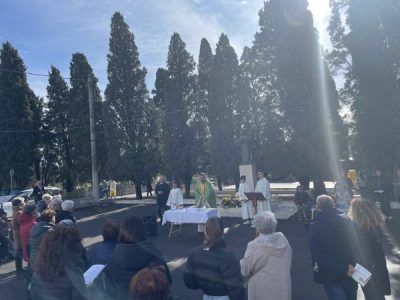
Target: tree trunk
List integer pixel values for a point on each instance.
(188, 181)
(138, 187)
(219, 182)
(69, 182)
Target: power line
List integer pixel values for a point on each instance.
(39, 74)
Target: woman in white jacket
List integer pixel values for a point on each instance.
(267, 262)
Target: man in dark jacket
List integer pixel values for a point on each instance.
(162, 191)
(45, 222)
(378, 189)
(332, 251)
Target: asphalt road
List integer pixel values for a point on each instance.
(177, 248)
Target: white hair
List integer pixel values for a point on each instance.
(47, 198)
(67, 205)
(265, 222)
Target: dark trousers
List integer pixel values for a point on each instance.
(161, 208)
(3, 245)
(18, 260)
(384, 203)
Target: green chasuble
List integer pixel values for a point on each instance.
(204, 190)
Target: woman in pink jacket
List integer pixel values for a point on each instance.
(27, 220)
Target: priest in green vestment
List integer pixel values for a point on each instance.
(204, 193)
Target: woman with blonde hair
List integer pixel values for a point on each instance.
(213, 269)
(368, 235)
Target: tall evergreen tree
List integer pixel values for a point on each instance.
(19, 120)
(310, 101)
(183, 125)
(222, 105)
(58, 125)
(80, 70)
(373, 43)
(260, 94)
(204, 69)
(132, 129)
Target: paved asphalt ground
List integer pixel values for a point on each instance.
(177, 248)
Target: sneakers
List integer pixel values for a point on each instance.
(253, 225)
(247, 222)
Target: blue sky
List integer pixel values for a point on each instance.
(47, 32)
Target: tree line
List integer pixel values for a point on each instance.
(280, 96)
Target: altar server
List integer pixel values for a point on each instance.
(247, 205)
(264, 188)
(175, 198)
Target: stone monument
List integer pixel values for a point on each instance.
(247, 167)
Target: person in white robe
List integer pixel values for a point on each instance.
(175, 198)
(247, 205)
(264, 188)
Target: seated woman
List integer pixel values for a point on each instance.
(213, 269)
(102, 252)
(267, 261)
(132, 254)
(59, 269)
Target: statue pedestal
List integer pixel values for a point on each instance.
(249, 170)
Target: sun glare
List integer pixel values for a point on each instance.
(320, 11)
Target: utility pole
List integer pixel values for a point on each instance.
(95, 176)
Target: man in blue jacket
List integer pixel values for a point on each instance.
(332, 252)
(162, 191)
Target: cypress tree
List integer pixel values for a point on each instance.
(310, 101)
(222, 103)
(181, 96)
(80, 69)
(132, 128)
(20, 119)
(374, 48)
(58, 125)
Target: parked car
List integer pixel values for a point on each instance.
(7, 206)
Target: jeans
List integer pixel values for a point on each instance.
(337, 291)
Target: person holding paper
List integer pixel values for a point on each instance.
(333, 257)
(175, 198)
(247, 205)
(368, 238)
(204, 193)
(264, 188)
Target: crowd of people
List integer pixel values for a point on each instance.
(47, 239)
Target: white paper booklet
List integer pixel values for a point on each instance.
(92, 273)
(361, 275)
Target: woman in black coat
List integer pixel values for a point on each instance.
(132, 254)
(213, 269)
(368, 235)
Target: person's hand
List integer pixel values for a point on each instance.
(350, 270)
(160, 192)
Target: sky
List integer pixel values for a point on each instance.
(47, 32)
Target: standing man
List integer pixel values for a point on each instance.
(396, 185)
(37, 192)
(332, 251)
(162, 192)
(204, 193)
(247, 205)
(264, 188)
(379, 192)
